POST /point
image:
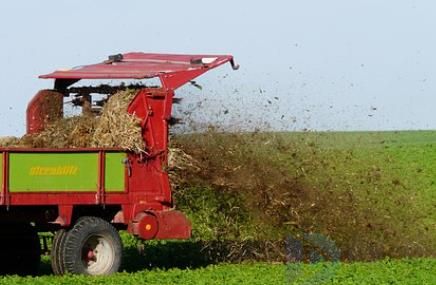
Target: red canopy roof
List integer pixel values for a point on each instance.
(173, 69)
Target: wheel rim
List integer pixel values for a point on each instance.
(98, 255)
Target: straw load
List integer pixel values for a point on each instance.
(114, 127)
(8, 141)
(118, 128)
(71, 132)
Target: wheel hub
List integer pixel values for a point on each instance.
(97, 255)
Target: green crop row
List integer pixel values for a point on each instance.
(407, 271)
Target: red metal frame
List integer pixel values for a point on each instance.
(147, 198)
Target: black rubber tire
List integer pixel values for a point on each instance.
(20, 249)
(79, 242)
(56, 254)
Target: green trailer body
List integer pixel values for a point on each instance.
(63, 172)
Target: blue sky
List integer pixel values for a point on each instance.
(320, 65)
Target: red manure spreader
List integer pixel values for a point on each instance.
(86, 195)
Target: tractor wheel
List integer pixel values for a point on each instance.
(92, 247)
(56, 255)
(20, 249)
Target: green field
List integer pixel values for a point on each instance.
(418, 271)
(365, 200)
